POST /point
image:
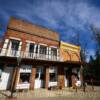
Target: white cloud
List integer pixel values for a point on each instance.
(73, 14)
(64, 15)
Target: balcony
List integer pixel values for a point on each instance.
(28, 55)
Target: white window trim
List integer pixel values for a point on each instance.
(43, 44)
(15, 38)
(53, 47)
(28, 41)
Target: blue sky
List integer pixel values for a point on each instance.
(68, 17)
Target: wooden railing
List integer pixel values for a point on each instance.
(22, 54)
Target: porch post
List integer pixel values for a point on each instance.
(81, 74)
(5, 45)
(74, 77)
(19, 49)
(49, 53)
(58, 54)
(38, 53)
(32, 78)
(82, 78)
(35, 46)
(14, 79)
(47, 77)
(61, 81)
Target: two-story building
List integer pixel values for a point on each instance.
(32, 57)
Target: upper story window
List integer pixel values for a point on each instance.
(1, 69)
(31, 48)
(15, 44)
(0, 73)
(43, 49)
(54, 51)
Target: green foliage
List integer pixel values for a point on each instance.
(85, 71)
(93, 69)
(95, 66)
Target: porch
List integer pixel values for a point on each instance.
(38, 72)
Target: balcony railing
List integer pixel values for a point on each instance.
(22, 54)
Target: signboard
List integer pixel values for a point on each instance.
(23, 86)
(52, 70)
(26, 68)
(52, 84)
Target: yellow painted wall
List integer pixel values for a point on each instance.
(69, 52)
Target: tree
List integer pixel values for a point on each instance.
(77, 41)
(83, 54)
(94, 69)
(96, 36)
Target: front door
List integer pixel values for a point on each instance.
(39, 79)
(67, 77)
(6, 78)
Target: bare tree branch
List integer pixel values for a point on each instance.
(96, 36)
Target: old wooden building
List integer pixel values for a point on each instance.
(33, 57)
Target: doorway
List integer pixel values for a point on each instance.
(67, 72)
(6, 78)
(40, 77)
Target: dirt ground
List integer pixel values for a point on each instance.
(65, 94)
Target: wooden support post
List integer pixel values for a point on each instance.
(32, 78)
(92, 84)
(61, 81)
(81, 75)
(82, 79)
(47, 77)
(73, 79)
(14, 80)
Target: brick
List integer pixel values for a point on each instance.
(32, 28)
(32, 78)
(61, 81)
(24, 37)
(47, 77)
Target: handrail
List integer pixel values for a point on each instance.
(30, 55)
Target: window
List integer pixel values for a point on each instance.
(36, 49)
(40, 73)
(0, 73)
(53, 51)
(42, 76)
(53, 74)
(24, 77)
(15, 45)
(43, 49)
(31, 48)
(37, 72)
(37, 75)
(1, 69)
(53, 77)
